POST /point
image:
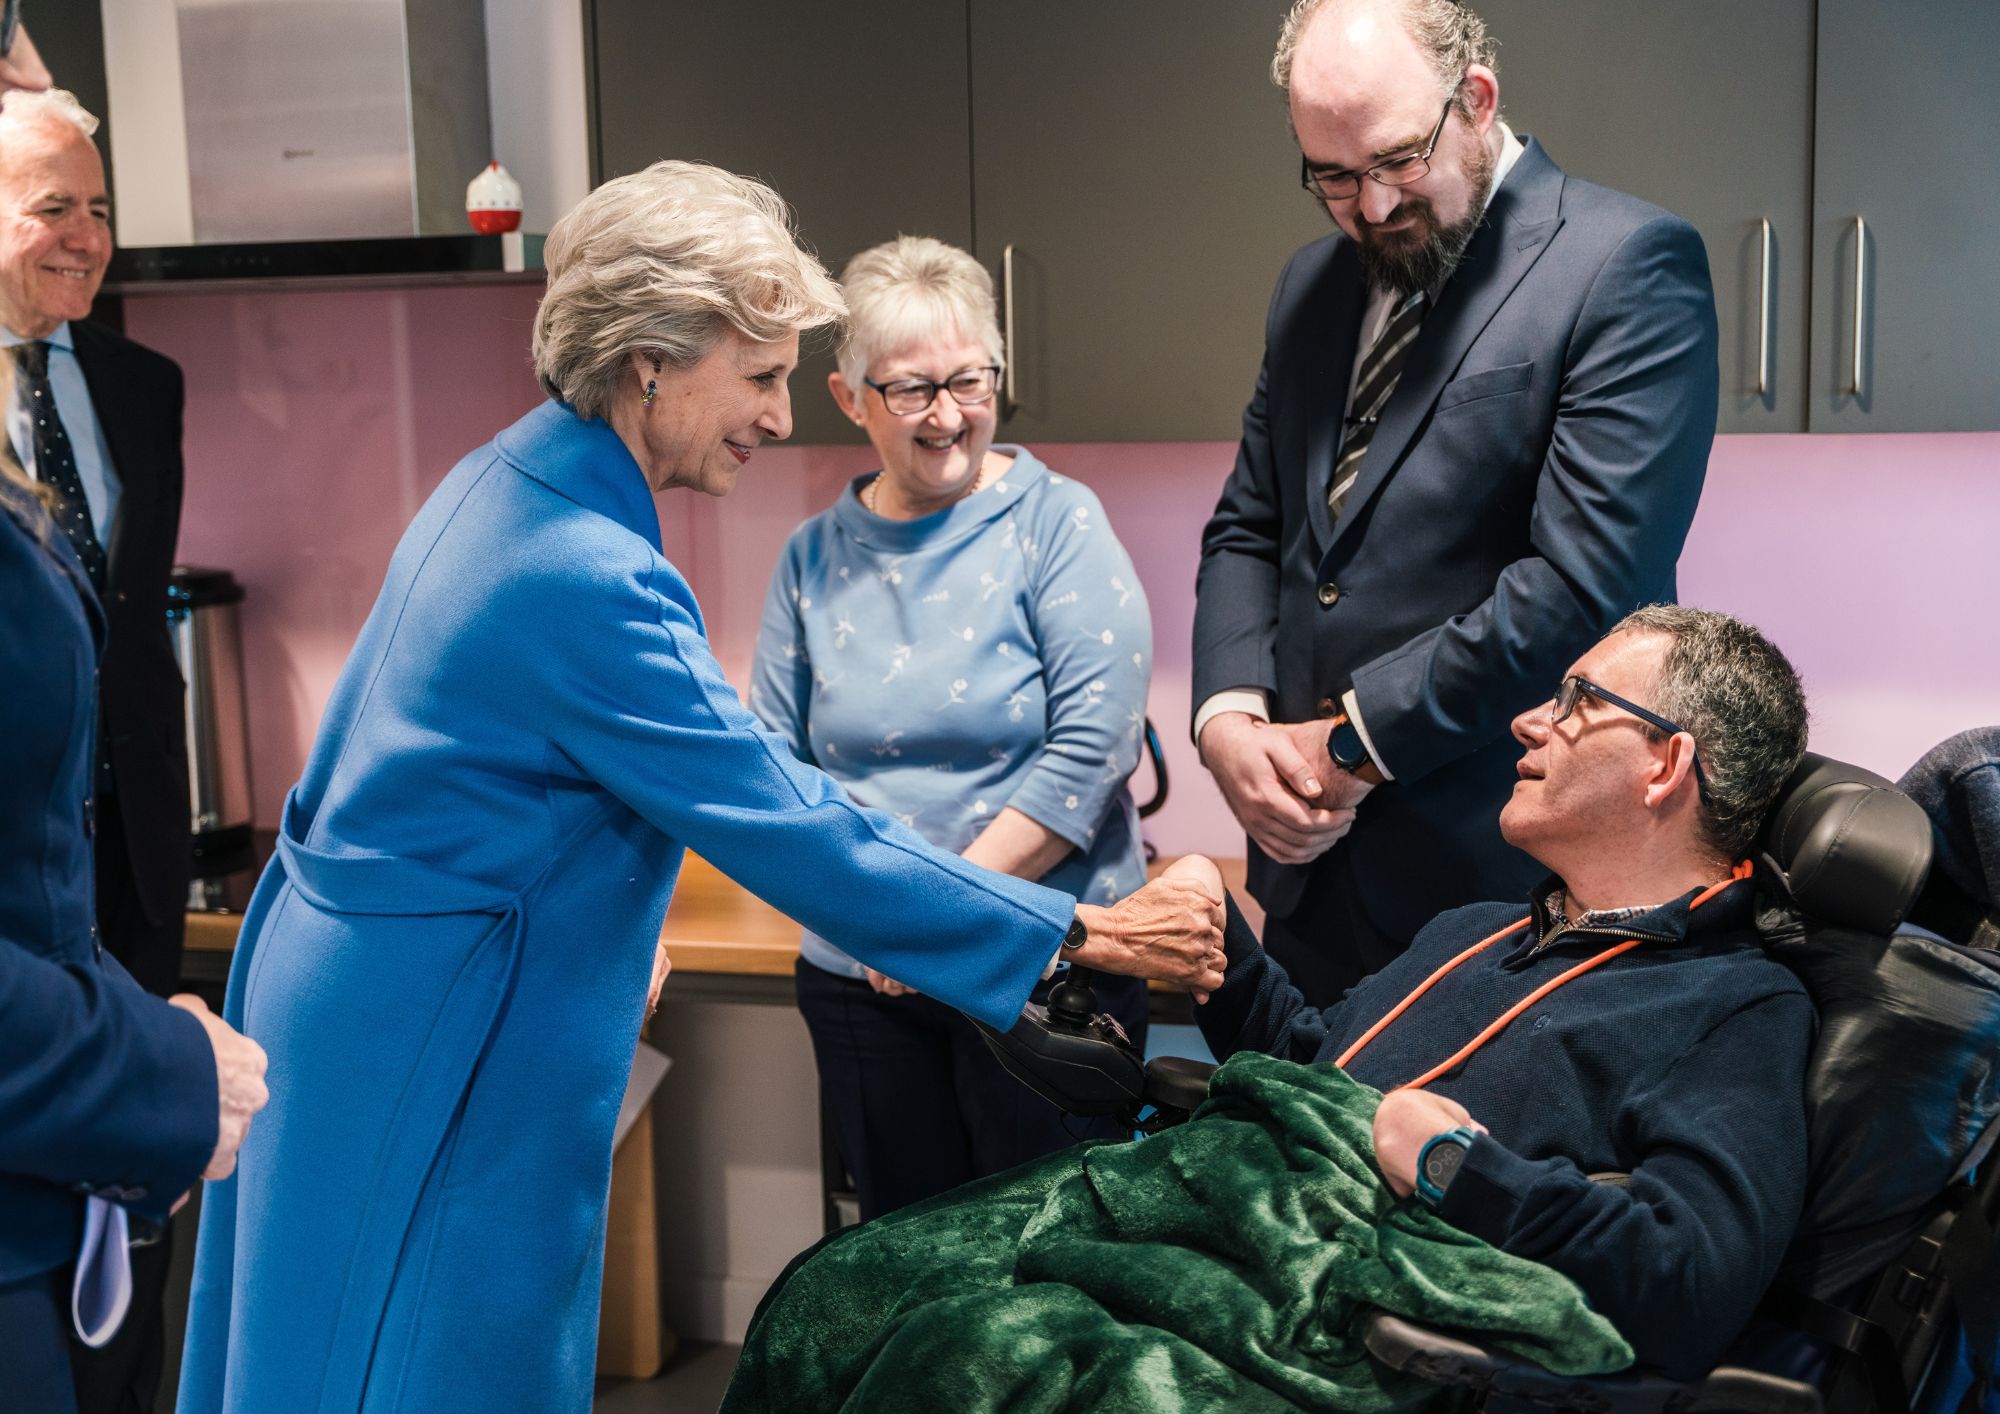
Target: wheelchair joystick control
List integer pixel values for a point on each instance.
(1073, 1001)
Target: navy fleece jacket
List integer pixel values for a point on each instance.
(1680, 1062)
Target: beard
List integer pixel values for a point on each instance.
(1423, 257)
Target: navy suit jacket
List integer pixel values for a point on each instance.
(138, 395)
(1531, 481)
(103, 1089)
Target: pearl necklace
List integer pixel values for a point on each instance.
(868, 492)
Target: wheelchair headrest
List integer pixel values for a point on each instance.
(1850, 848)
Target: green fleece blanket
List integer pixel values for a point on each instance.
(1222, 1265)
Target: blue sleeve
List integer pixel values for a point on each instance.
(1635, 419)
(101, 1085)
(636, 699)
(1679, 1256)
(1095, 637)
(781, 671)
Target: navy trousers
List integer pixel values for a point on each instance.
(34, 1344)
(1330, 942)
(917, 1103)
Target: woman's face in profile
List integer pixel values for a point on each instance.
(932, 456)
(706, 420)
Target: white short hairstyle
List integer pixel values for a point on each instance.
(910, 291)
(25, 104)
(661, 261)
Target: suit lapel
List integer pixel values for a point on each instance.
(124, 437)
(1520, 221)
(1342, 299)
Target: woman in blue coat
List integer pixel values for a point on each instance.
(112, 1102)
(448, 956)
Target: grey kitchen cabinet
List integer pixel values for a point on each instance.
(1126, 170)
(857, 115)
(1701, 107)
(1905, 177)
(1133, 165)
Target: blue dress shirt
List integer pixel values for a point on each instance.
(101, 486)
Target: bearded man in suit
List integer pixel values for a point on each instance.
(98, 418)
(1477, 441)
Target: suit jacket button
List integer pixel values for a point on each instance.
(1328, 707)
(1329, 594)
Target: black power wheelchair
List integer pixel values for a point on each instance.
(1891, 1289)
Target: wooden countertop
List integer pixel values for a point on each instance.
(712, 926)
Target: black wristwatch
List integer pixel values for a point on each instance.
(1438, 1163)
(1345, 746)
(1076, 937)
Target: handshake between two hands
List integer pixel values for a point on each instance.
(1281, 785)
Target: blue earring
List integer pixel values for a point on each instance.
(652, 388)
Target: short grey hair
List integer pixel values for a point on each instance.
(1451, 36)
(23, 104)
(908, 291)
(1729, 688)
(662, 260)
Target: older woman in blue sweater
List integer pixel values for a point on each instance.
(961, 642)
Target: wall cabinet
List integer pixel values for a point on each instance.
(1905, 180)
(1126, 169)
(1702, 107)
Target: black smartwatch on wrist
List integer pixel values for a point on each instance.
(1345, 746)
(1438, 1163)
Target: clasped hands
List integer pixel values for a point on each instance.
(1281, 785)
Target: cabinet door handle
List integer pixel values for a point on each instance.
(1764, 314)
(1855, 386)
(1010, 390)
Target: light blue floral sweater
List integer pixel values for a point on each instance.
(995, 653)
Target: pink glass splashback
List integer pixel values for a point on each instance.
(318, 421)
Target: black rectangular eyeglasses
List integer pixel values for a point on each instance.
(1573, 690)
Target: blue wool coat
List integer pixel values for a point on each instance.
(447, 958)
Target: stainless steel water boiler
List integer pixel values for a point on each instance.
(202, 617)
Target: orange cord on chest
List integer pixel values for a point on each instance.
(1500, 1023)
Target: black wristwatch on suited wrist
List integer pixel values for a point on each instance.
(1077, 935)
(1345, 746)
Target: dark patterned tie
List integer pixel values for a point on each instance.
(1379, 372)
(55, 459)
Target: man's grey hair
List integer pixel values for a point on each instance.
(910, 291)
(1452, 37)
(24, 104)
(1730, 688)
(661, 261)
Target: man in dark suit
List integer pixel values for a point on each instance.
(1477, 440)
(98, 418)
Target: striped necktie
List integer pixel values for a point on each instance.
(55, 460)
(1379, 372)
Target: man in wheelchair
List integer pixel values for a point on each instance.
(1594, 1104)
(1627, 1022)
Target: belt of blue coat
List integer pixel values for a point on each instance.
(463, 1030)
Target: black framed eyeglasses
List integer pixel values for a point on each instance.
(1574, 689)
(969, 387)
(1396, 172)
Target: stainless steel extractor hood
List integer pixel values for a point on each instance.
(299, 139)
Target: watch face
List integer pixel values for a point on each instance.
(1441, 1162)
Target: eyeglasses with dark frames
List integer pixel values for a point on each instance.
(1396, 172)
(969, 387)
(1573, 690)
